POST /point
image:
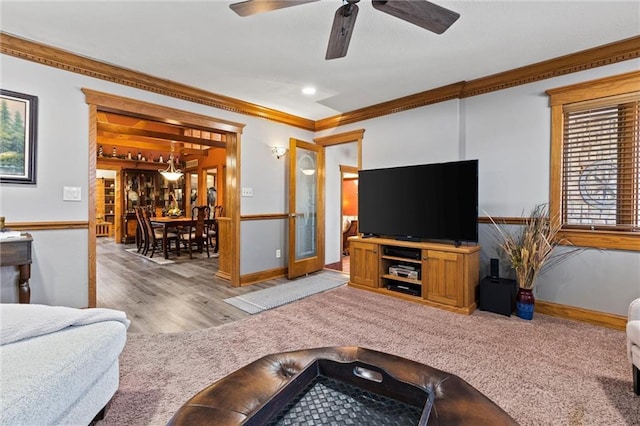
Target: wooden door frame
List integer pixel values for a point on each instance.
(100, 101)
(344, 169)
(337, 139)
(295, 144)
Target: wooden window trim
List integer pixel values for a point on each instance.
(585, 92)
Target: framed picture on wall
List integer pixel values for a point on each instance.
(18, 137)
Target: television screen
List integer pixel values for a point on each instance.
(424, 202)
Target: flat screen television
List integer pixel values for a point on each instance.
(425, 202)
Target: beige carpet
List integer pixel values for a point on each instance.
(544, 372)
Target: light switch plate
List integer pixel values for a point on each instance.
(71, 193)
(247, 192)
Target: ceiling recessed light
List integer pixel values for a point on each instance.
(309, 90)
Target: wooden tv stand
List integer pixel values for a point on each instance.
(447, 276)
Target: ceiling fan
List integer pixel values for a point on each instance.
(422, 13)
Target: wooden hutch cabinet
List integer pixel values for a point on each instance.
(434, 274)
(147, 188)
(105, 207)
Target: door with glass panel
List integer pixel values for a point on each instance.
(306, 208)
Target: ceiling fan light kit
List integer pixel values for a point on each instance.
(253, 7)
(422, 13)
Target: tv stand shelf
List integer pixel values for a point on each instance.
(447, 276)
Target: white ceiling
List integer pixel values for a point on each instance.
(267, 58)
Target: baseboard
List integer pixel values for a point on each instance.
(602, 319)
(223, 275)
(617, 322)
(257, 277)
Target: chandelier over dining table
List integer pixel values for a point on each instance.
(171, 173)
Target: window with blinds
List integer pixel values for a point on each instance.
(594, 166)
(601, 164)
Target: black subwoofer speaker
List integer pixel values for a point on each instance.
(498, 296)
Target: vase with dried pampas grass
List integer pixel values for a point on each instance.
(530, 248)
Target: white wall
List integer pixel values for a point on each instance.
(60, 268)
(508, 131)
(268, 177)
(513, 150)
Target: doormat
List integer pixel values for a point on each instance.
(160, 260)
(268, 298)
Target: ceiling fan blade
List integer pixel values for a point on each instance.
(341, 30)
(422, 13)
(252, 7)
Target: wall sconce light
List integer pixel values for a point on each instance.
(278, 151)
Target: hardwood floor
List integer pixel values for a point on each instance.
(184, 295)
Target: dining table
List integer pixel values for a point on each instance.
(170, 222)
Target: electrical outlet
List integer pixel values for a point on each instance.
(278, 253)
(247, 192)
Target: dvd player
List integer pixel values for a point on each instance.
(402, 252)
(404, 288)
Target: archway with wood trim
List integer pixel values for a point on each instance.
(229, 225)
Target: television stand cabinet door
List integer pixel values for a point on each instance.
(364, 264)
(444, 277)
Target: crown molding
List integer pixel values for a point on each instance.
(607, 54)
(58, 58)
(440, 94)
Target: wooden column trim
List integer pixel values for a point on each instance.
(224, 261)
(93, 135)
(232, 206)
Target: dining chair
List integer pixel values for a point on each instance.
(213, 228)
(156, 235)
(142, 237)
(198, 230)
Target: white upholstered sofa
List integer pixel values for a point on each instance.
(58, 365)
(633, 342)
